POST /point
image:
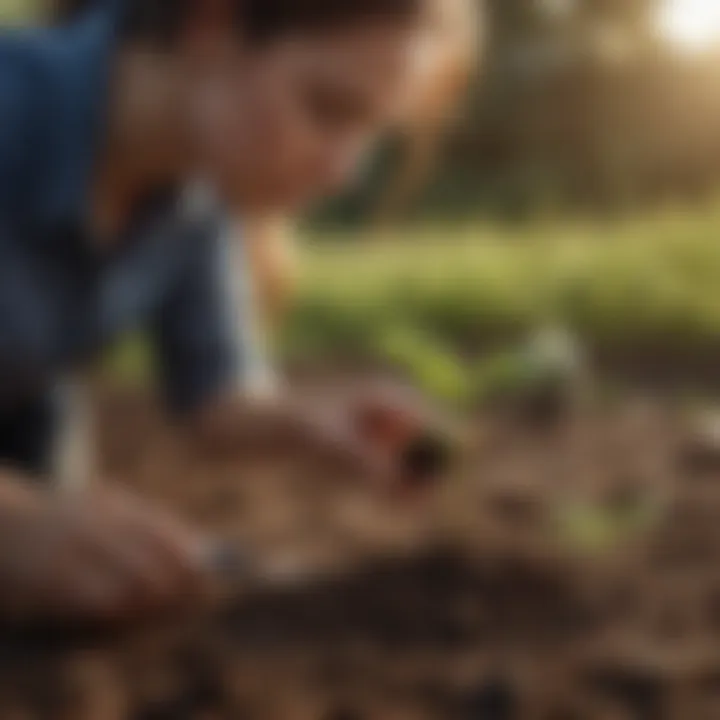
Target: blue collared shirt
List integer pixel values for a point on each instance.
(60, 301)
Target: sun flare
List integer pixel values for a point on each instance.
(690, 24)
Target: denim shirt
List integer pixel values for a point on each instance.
(61, 301)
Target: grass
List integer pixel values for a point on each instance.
(651, 281)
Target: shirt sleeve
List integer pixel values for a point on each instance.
(206, 338)
(18, 132)
(28, 430)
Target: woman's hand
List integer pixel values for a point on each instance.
(357, 431)
(100, 557)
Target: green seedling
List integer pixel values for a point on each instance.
(599, 528)
(438, 372)
(540, 376)
(502, 375)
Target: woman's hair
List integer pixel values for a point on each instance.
(256, 20)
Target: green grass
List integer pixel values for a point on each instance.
(652, 281)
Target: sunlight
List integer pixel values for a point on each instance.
(690, 24)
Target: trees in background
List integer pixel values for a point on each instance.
(581, 103)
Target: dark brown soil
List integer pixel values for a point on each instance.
(471, 605)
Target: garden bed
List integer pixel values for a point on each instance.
(502, 596)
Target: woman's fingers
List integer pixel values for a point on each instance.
(163, 556)
(100, 558)
(333, 438)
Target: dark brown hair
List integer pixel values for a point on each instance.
(256, 20)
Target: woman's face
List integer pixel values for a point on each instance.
(283, 125)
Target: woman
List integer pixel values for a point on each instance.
(455, 41)
(125, 136)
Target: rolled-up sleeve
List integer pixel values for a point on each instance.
(206, 339)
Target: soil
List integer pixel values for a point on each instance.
(475, 603)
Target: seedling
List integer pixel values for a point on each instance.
(438, 372)
(599, 528)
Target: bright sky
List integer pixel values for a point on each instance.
(690, 24)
